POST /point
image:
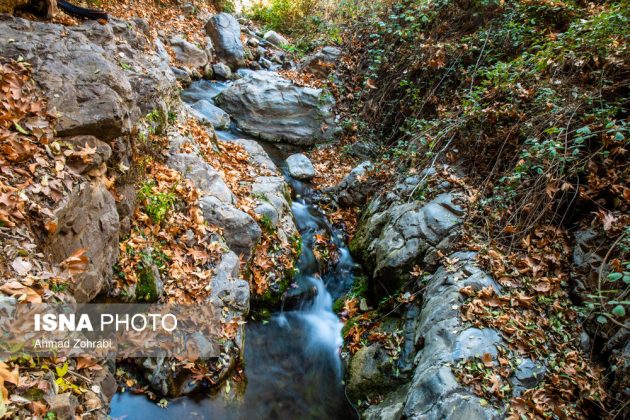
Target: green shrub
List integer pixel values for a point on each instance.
(156, 204)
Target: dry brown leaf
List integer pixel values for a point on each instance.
(76, 263)
(21, 292)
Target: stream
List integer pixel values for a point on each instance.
(292, 364)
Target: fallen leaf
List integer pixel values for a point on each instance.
(21, 266)
(21, 292)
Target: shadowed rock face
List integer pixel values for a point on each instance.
(272, 108)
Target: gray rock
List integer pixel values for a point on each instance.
(258, 156)
(434, 392)
(221, 71)
(181, 75)
(371, 372)
(275, 195)
(391, 408)
(428, 387)
(322, 62)
(356, 187)
(204, 176)
(474, 342)
(207, 113)
(272, 108)
(266, 64)
(225, 32)
(188, 54)
(300, 167)
(87, 219)
(275, 38)
(227, 289)
(391, 242)
(63, 405)
(252, 42)
(77, 64)
(100, 156)
(528, 375)
(240, 231)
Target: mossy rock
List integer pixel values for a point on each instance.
(149, 286)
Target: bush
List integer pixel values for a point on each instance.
(309, 22)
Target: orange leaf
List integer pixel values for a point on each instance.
(21, 292)
(76, 263)
(487, 360)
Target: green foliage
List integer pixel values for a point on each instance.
(156, 204)
(146, 288)
(527, 92)
(225, 5)
(309, 22)
(610, 302)
(283, 15)
(267, 224)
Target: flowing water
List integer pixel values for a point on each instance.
(292, 364)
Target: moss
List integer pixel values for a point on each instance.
(146, 288)
(267, 224)
(338, 304)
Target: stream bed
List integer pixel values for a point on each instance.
(292, 363)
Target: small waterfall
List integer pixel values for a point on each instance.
(292, 362)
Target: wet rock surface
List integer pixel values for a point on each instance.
(208, 113)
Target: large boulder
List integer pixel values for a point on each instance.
(372, 371)
(103, 65)
(322, 62)
(434, 390)
(87, 220)
(392, 241)
(225, 33)
(267, 106)
(188, 54)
